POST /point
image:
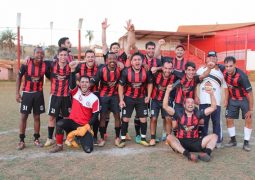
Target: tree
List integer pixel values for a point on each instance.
(89, 35)
(7, 45)
(7, 39)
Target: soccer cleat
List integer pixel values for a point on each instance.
(144, 143)
(192, 157)
(138, 139)
(95, 141)
(219, 146)
(106, 136)
(246, 147)
(37, 143)
(68, 143)
(157, 140)
(128, 138)
(117, 142)
(121, 144)
(152, 142)
(56, 148)
(21, 145)
(231, 143)
(204, 157)
(49, 142)
(101, 142)
(163, 138)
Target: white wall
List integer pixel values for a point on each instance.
(250, 60)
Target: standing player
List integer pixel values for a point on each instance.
(216, 79)
(240, 97)
(32, 94)
(188, 83)
(160, 81)
(85, 110)
(60, 102)
(187, 121)
(135, 79)
(115, 48)
(108, 77)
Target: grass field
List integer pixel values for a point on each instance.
(109, 162)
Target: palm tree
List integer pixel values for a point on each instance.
(7, 39)
(89, 35)
(7, 45)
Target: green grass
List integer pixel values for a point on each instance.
(109, 162)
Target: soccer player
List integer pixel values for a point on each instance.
(108, 77)
(85, 110)
(187, 121)
(150, 63)
(32, 94)
(240, 97)
(135, 79)
(89, 68)
(122, 55)
(216, 79)
(60, 102)
(161, 80)
(188, 83)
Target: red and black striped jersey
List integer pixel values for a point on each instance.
(238, 83)
(135, 82)
(179, 64)
(60, 79)
(108, 81)
(152, 62)
(83, 70)
(187, 88)
(159, 85)
(188, 126)
(34, 75)
(122, 57)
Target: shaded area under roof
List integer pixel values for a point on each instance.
(211, 27)
(141, 34)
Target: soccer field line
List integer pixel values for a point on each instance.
(107, 152)
(117, 152)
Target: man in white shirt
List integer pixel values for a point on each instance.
(216, 81)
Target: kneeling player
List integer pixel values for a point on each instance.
(85, 110)
(187, 122)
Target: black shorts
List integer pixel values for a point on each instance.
(192, 145)
(178, 107)
(33, 100)
(234, 106)
(59, 105)
(156, 107)
(137, 103)
(110, 104)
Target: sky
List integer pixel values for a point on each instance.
(161, 15)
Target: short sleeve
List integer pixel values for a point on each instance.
(95, 106)
(177, 115)
(200, 113)
(149, 77)
(178, 74)
(22, 70)
(221, 67)
(123, 56)
(246, 83)
(197, 80)
(123, 77)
